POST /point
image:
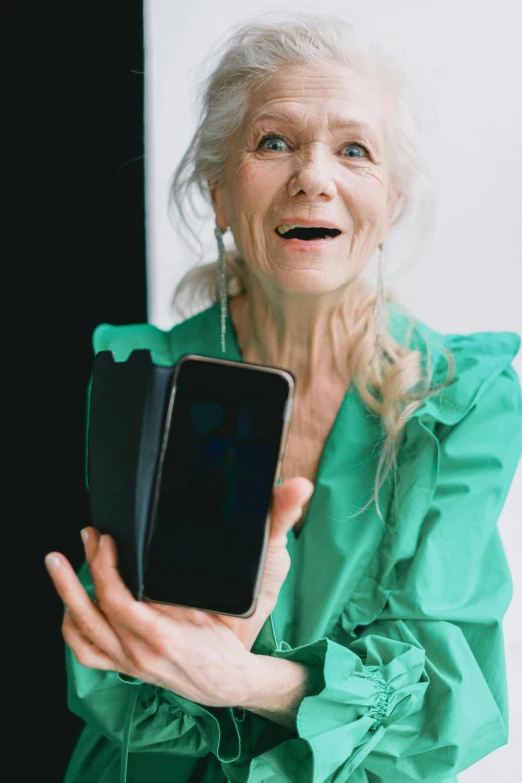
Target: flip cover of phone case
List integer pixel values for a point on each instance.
(126, 424)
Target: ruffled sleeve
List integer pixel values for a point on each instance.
(418, 692)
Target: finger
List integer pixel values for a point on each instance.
(288, 502)
(102, 556)
(134, 627)
(91, 539)
(85, 651)
(138, 625)
(83, 610)
(114, 598)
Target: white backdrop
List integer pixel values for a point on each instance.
(469, 57)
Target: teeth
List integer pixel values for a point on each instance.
(287, 227)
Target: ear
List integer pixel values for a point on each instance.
(217, 194)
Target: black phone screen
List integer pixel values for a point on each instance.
(216, 482)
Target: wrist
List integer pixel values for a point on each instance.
(254, 673)
(272, 682)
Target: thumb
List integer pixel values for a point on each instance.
(288, 503)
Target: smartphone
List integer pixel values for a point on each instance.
(225, 432)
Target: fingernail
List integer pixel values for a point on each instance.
(103, 539)
(311, 492)
(85, 535)
(52, 563)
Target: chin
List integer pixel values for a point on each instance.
(307, 281)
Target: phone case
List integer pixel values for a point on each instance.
(126, 437)
(126, 424)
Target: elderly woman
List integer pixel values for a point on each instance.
(376, 650)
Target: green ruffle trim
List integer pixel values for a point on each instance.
(379, 710)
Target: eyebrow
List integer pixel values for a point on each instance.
(336, 123)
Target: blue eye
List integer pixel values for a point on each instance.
(277, 143)
(351, 146)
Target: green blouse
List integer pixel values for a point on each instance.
(403, 620)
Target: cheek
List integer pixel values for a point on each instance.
(256, 184)
(245, 178)
(366, 199)
(250, 201)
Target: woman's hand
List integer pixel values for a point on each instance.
(187, 651)
(201, 656)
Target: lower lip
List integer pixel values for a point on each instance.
(308, 245)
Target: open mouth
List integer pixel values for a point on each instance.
(307, 233)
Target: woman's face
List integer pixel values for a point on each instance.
(310, 153)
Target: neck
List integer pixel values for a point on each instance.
(306, 334)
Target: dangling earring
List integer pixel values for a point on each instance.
(379, 309)
(222, 284)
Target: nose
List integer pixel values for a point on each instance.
(312, 176)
